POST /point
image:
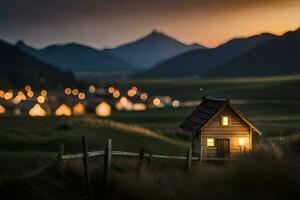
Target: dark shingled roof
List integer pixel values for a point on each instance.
(204, 112)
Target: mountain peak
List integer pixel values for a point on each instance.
(20, 43)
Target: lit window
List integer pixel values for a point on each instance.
(241, 141)
(225, 120)
(210, 142)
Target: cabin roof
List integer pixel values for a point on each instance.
(206, 111)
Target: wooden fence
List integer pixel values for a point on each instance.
(107, 154)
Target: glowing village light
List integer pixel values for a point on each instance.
(63, 110)
(92, 89)
(44, 93)
(2, 94)
(139, 106)
(111, 89)
(116, 94)
(68, 91)
(75, 92)
(22, 96)
(8, 95)
(30, 94)
(37, 111)
(2, 109)
(81, 96)
(41, 99)
(79, 109)
(28, 88)
(144, 96)
(16, 100)
(103, 109)
(156, 101)
(125, 104)
(131, 92)
(175, 103)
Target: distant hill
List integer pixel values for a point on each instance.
(198, 62)
(78, 58)
(276, 57)
(150, 50)
(19, 68)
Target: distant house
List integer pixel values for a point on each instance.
(219, 131)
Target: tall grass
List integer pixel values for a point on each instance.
(270, 172)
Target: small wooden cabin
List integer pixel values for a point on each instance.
(219, 131)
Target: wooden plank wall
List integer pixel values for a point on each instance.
(237, 129)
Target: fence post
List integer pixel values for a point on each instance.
(150, 157)
(140, 162)
(107, 161)
(60, 155)
(189, 158)
(86, 166)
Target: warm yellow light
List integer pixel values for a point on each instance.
(156, 101)
(41, 99)
(8, 95)
(92, 89)
(124, 104)
(225, 120)
(27, 88)
(75, 92)
(2, 94)
(116, 94)
(22, 96)
(241, 141)
(144, 96)
(37, 111)
(63, 110)
(175, 103)
(16, 100)
(2, 109)
(79, 109)
(30, 94)
(81, 96)
(131, 92)
(111, 89)
(44, 93)
(210, 142)
(68, 91)
(103, 109)
(139, 106)
(134, 88)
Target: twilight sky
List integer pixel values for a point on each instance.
(107, 23)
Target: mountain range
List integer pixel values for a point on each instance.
(199, 62)
(128, 58)
(19, 69)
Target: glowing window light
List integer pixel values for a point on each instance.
(81, 96)
(210, 142)
(22, 96)
(175, 103)
(134, 88)
(118, 105)
(111, 89)
(44, 93)
(37, 111)
(16, 100)
(156, 101)
(75, 92)
(8, 95)
(225, 120)
(30, 94)
(79, 109)
(41, 99)
(2, 109)
(139, 106)
(241, 141)
(63, 110)
(2, 94)
(116, 94)
(131, 92)
(144, 96)
(68, 91)
(103, 109)
(126, 104)
(28, 88)
(92, 89)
